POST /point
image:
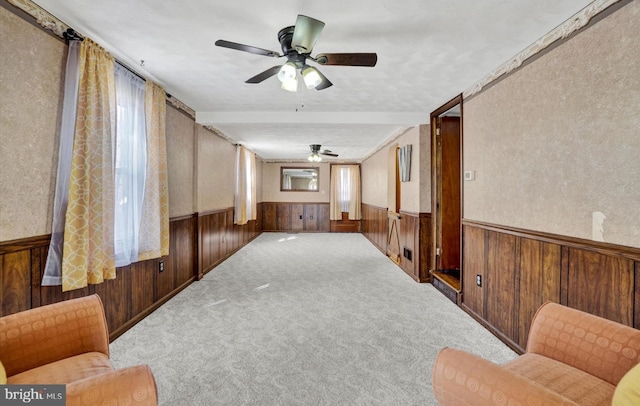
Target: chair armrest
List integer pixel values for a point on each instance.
(53, 332)
(127, 386)
(593, 344)
(460, 378)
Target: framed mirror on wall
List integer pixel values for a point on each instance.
(299, 179)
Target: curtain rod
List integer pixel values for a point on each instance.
(71, 35)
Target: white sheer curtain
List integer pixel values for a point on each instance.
(344, 194)
(245, 194)
(130, 164)
(53, 268)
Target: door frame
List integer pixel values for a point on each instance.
(436, 180)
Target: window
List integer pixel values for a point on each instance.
(345, 192)
(344, 188)
(245, 196)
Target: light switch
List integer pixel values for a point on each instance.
(469, 175)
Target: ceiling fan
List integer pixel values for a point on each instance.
(315, 153)
(297, 42)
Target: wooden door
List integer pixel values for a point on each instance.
(449, 194)
(311, 217)
(269, 217)
(283, 217)
(297, 216)
(324, 222)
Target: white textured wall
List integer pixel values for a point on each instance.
(560, 138)
(410, 191)
(259, 177)
(377, 170)
(271, 184)
(216, 159)
(424, 168)
(31, 82)
(374, 179)
(180, 162)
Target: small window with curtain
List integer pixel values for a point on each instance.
(345, 192)
(245, 208)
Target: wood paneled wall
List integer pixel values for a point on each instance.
(197, 244)
(375, 225)
(415, 235)
(521, 269)
(219, 237)
(284, 216)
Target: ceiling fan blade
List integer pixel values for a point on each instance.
(264, 75)
(306, 33)
(328, 153)
(246, 48)
(353, 59)
(325, 82)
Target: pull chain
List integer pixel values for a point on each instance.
(301, 98)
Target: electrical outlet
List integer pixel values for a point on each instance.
(479, 280)
(161, 266)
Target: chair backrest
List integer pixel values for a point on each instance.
(53, 332)
(598, 346)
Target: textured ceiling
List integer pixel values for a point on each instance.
(428, 52)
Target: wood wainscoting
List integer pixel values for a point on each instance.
(522, 269)
(344, 225)
(197, 244)
(219, 237)
(296, 217)
(375, 225)
(413, 231)
(415, 245)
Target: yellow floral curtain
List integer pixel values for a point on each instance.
(153, 239)
(88, 253)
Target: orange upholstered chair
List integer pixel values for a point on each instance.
(68, 343)
(572, 358)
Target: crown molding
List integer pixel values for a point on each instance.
(46, 20)
(181, 106)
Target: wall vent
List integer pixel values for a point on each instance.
(408, 253)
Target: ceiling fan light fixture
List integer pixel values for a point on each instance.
(311, 76)
(287, 72)
(290, 85)
(314, 157)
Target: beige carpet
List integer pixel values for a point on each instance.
(302, 319)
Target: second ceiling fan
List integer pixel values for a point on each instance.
(297, 42)
(316, 152)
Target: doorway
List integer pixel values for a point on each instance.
(446, 199)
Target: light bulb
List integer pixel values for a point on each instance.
(311, 77)
(287, 72)
(290, 85)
